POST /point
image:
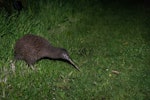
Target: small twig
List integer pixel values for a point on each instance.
(115, 72)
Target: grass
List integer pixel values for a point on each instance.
(99, 36)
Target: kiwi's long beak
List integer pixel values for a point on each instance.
(76, 67)
(66, 57)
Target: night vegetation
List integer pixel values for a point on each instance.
(109, 41)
